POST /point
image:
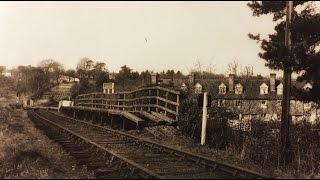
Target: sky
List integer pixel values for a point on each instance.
(142, 35)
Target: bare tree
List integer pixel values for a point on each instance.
(210, 68)
(202, 69)
(198, 65)
(247, 71)
(233, 67)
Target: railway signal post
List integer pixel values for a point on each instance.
(204, 100)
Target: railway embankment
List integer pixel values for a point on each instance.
(25, 152)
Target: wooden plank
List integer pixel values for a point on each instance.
(151, 117)
(163, 117)
(132, 117)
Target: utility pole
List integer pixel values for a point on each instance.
(285, 147)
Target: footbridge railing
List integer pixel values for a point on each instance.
(155, 100)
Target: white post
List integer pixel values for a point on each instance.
(204, 119)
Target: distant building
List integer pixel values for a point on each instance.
(260, 98)
(68, 79)
(6, 73)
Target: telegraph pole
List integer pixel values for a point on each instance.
(285, 147)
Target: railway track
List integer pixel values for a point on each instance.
(113, 154)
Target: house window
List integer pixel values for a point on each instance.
(237, 103)
(220, 102)
(279, 102)
(263, 115)
(238, 89)
(264, 89)
(280, 89)
(307, 105)
(222, 90)
(198, 88)
(264, 104)
(307, 87)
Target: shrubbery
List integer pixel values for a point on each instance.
(261, 145)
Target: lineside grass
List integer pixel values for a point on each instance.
(27, 153)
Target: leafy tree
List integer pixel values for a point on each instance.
(38, 81)
(305, 37)
(2, 69)
(179, 75)
(303, 57)
(101, 66)
(145, 76)
(124, 73)
(84, 65)
(71, 73)
(53, 69)
(31, 79)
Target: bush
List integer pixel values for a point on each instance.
(261, 145)
(219, 134)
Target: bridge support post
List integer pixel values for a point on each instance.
(111, 122)
(85, 116)
(101, 119)
(92, 118)
(124, 123)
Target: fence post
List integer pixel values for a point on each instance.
(177, 107)
(157, 100)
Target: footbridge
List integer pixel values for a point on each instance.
(145, 106)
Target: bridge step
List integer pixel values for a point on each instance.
(132, 117)
(152, 117)
(164, 117)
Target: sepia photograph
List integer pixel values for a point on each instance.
(159, 90)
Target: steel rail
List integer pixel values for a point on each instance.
(232, 170)
(137, 167)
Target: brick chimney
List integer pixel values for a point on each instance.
(192, 79)
(154, 78)
(272, 82)
(231, 82)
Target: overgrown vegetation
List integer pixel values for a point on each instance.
(26, 153)
(261, 145)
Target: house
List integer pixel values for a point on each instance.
(260, 98)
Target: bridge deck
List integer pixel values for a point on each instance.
(125, 114)
(45, 107)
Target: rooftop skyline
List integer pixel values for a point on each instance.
(142, 35)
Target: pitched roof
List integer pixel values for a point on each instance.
(222, 85)
(251, 88)
(264, 85)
